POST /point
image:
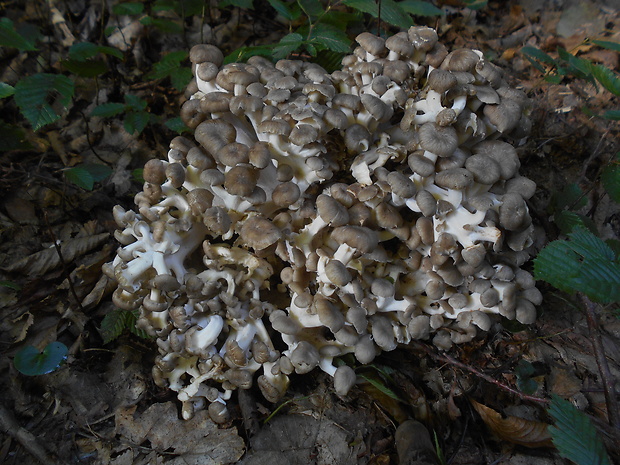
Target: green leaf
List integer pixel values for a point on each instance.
(331, 38)
(571, 196)
(568, 220)
(289, 12)
(524, 372)
(10, 285)
(9, 37)
(33, 94)
(288, 44)
(164, 25)
(85, 175)
(135, 102)
(12, 138)
(247, 4)
(167, 64)
(180, 78)
(420, 8)
(136, 121)
(537, 54)
(574, 435)
(610, 177)
(476, 4)
(128, 8)
(380, 386)
(365, 6)
(312, 8)
(82, 51)
(6, 90)
(392, 13)
(87, 68)
(608, 79)
(138, 175)
(615, 46)
(177, 125)
(105, 110)
(584, 263)
(243, 53)
(117, 321)
(30, 362)
(613, 115)
(329, 61)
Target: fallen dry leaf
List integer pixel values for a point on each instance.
(517, 430)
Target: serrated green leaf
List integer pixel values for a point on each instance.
(106, 110)
(524, 372)
(6, 90)
(554, 78)
(328, 60)
(420, 8)
(86, 68)
(331, 38)
(610, 177)
(9, 37)
(242, 54)
(613, 115)
(167, 65)
(86, 175)
(289, 12)
(614, 244)
(33, 94)
(117, 321)
(177, 125)
(136, 121)
(381, 387)
(392, 13)
(312, 8)
(574, 435)
(128, 8)
(568, 220)
(608, 79)
(365, 6)
(615, 46)
(180, 78)
(29, 361)
(584, 263)
(135, 102)
(288, 44)
(571, 196)
(82, 51)
(164, 25)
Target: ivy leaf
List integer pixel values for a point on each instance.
(574, 435)
(420, 8)
(128, 8)
(6, 90)
(33, 93)
(610, 177)
(584, 263)
(9, 37)
(85, 175)
(30, 362)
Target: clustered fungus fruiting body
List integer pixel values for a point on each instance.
(331, 213)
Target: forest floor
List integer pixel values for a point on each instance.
(102, 407)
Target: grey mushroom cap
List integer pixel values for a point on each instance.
(344, 379)
(214, 134)
(441, 80)
(154, 172)
(484, 169)
(285, 194)
(305, 357)
(442, 141)
(455, 178)
(205, 52)
(331, 211)
(259, 233)
(371, 43)
(337, 273)
(363, 239)
(241, 180)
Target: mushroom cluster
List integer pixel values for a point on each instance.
(313, 215)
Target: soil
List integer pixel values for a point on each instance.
(102, 406)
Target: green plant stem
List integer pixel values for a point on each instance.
(613, 412)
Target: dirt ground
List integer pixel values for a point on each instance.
(102, 406)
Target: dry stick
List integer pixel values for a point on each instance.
(613, 412)
(456, 363)
(9, 425)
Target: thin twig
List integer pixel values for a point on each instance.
(613, 412)
(452, 361)
(8, 425)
